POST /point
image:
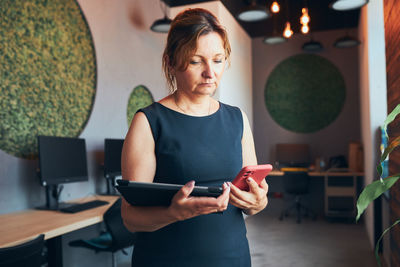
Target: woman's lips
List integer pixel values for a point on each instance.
(207, 84)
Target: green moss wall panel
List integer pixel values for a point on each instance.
(47, 72)
(140, 97)
(305, 93)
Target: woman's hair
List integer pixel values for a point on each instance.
(186, 28)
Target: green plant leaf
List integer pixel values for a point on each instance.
(378, 259)
(373, 191)
(395, 143)
(391, 117)
(379, 169)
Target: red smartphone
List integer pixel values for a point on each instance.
(256, 172)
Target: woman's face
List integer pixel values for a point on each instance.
(205, 68)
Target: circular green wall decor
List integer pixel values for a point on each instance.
(305, 93)
(140, 97)
(47, 72)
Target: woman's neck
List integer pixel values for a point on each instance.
(193, 105)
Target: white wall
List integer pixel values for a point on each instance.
(372, 92)
(330, 141)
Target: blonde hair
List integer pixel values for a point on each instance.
(186, 28)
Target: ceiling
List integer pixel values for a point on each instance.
(322, 17)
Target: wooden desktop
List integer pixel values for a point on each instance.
(22, 226)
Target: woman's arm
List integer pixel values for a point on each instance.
(248, 150)
(255, 200)
(138, 163)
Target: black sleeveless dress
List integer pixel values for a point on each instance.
(208, 150)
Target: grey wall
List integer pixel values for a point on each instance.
(332, 140)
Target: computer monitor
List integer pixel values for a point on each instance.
(61, 160)
(293, 155)
(112, 157)
(112, 162)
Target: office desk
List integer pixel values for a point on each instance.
(320, 174)
(22, 226)
(276, 173)
(335, 174)
(340, 191)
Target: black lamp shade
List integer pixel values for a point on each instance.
(344, 5)
(346, 42)
(274, 39)
(161, 25)
(253, 13)
(312, 46)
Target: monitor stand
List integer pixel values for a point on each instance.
(111, 191)
(53, 193)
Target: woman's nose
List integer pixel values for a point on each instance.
(208, 71)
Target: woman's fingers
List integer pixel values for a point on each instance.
(238, 197)
(254, 199)
(211, 204)
(224, 198)
(184, 206)
(185, 191)
(264, 185)
(237, 202)
(253, 186)
(236, 191)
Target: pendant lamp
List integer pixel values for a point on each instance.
(344, 5)
(287, 32)
(253, 12)
(312, 46)
(346, 42)
(275, 8)
(161, 25)
(275, 37)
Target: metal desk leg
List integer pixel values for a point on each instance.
(54, 252)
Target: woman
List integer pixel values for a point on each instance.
(189, 138)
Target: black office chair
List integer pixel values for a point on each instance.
(116, 237)
(26, 254)
(296, 183)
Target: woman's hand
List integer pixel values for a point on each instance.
(252, 201)
(184, 206)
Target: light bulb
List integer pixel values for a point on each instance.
(305, 29)
(305, 18)
(287, 33)
(275, 7)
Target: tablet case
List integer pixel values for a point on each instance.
(158, 194)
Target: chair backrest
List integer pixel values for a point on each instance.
(26, 254)
(121, 237)
(296, 182)
(292, 155)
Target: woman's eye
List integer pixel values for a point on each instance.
(218, 61)
(193, 62)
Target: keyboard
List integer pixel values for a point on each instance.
(77, 207)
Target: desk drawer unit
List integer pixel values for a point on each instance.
(340, 196)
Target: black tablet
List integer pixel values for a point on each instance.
(158, 194)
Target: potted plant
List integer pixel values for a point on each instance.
(378, 187)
